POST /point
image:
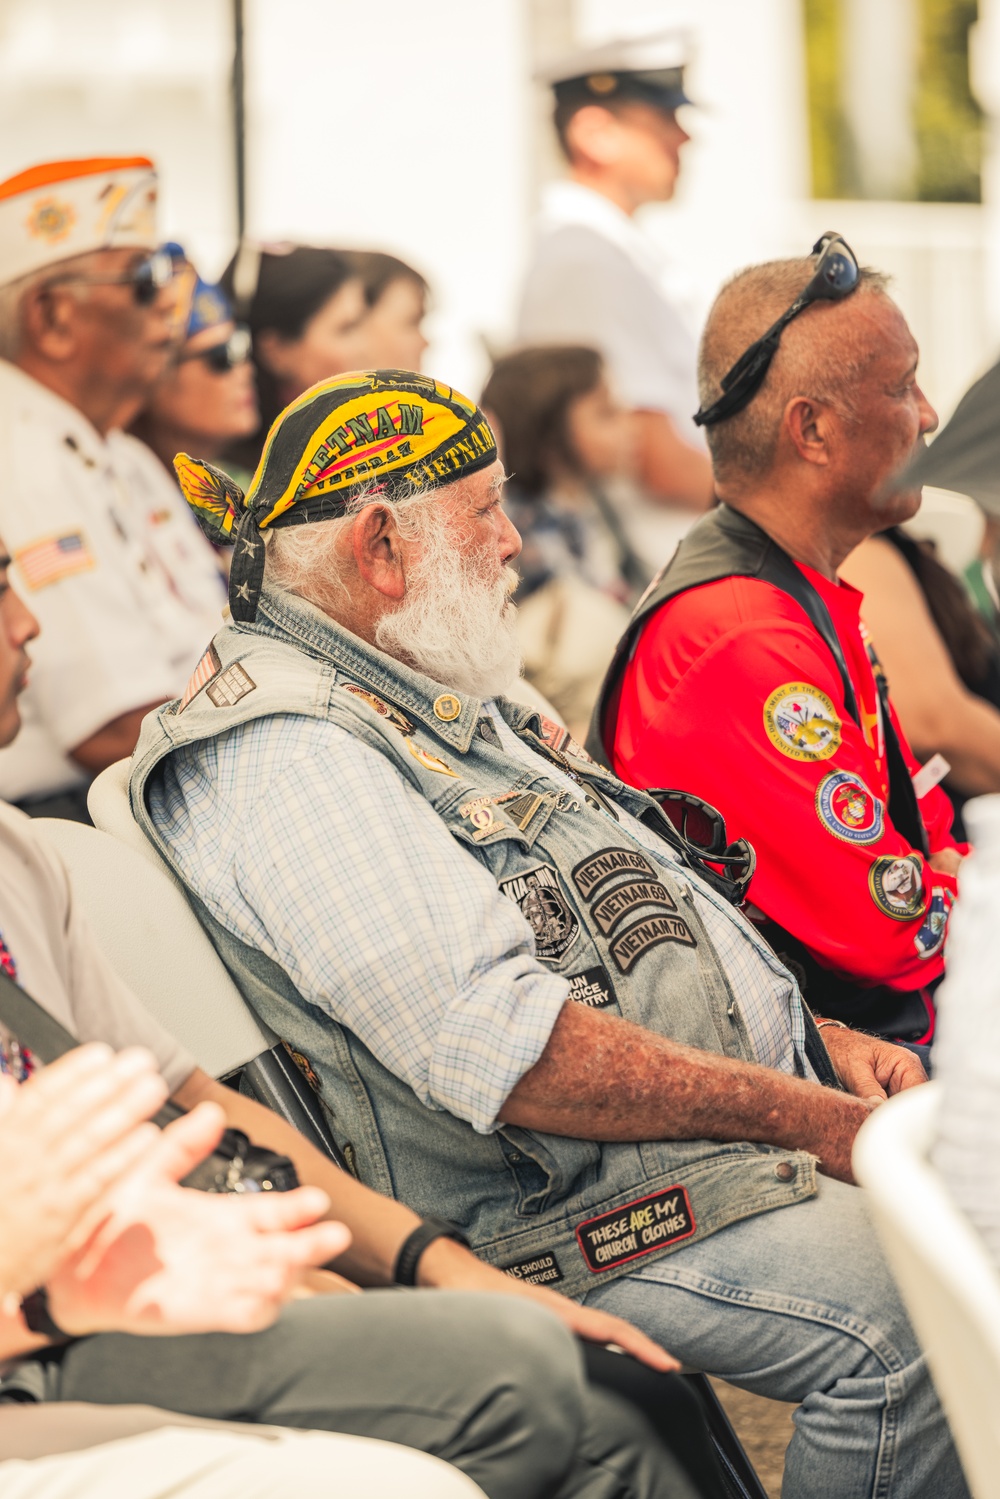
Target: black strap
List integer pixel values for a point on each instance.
(413, 1246)
(45, 1036)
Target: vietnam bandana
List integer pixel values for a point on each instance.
(384, 432)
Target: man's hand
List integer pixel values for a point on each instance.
(946, 861)
(164, 1259)
(66, 1136)
(870, 1067)
(447, 1266)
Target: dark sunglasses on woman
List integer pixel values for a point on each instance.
(225, 356)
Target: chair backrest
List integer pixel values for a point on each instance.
(947, 1280)
(154, 941)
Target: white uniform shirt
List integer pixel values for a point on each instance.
(57, 959)
(126, 589)
(597, 279)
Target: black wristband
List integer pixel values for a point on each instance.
(35, 1311)
(408, 1258)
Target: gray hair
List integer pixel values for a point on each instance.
(304, 560)
(810, 361)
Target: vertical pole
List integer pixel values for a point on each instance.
(238, 87)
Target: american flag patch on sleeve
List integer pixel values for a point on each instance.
(53, 558)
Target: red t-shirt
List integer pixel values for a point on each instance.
(731, 694)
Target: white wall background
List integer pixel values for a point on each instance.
(416, 128)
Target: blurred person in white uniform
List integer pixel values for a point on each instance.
(597, 279)
(126, 588)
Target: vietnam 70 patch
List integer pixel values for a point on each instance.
(638, 1228)
(802, 722)
(628, 947)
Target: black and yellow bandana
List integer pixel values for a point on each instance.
(388, 432)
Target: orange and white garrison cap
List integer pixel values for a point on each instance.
(65, 208)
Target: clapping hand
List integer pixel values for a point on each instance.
(164, 1259)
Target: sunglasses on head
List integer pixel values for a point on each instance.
(147, 278)
(837, 274)
(223, 357)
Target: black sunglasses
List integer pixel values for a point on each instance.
(147, 278)
(698, 832)
(221, 358)
(837, 275)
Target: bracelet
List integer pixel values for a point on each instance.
(408, 1258)
(36, 1314)
(838, 1023)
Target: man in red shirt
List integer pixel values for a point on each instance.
(746, 676)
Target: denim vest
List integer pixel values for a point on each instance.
(605, 912)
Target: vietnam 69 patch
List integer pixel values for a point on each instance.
(930, 938)
(897, 886)
(638, 1228)
(847, 809)
(802, 722)
(546, 910)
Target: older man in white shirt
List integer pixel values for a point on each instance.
(127, 589)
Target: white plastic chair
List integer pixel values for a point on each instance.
(155, 942)
(947, 1280)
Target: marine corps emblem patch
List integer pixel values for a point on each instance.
(802, 722)
(847, 809)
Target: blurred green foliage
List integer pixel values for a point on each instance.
(947, 121)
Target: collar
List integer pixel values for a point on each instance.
(567, 203)
(284, 616)
(80, 436)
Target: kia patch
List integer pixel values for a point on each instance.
(638, 1228)
(546, 910)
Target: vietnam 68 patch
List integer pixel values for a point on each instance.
(638, 1228)
(802, 722)
(552, 919)
(847, 809)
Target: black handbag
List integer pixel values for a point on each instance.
(235, 1165)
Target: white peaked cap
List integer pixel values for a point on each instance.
(61, 209)
(653, 53)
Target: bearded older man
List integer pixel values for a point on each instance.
(529, 1005)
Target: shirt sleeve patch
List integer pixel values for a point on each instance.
(802, 722)
(930, 938)
(848, 810)
(53, 558)
(897, 887)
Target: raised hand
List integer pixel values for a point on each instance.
(169, 1260)
(66, 1136)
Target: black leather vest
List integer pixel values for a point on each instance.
(726, 544)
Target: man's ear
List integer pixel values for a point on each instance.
(807, 426)
(48, 322)
(592, 136)
(378, 555)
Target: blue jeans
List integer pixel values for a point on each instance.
(798, 1304)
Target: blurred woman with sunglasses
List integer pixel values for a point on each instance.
(305, 309)
(207, 398)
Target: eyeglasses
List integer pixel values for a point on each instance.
(221, 358)
(837, 275)
(698, 832)
(147, 278)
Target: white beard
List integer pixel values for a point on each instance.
(456, 624)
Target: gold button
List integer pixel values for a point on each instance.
(447, 707)
(784, 1171)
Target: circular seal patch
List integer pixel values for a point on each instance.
(447, 707)
(897, 887)
(846, 807)
(802, 722)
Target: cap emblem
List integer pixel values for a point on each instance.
(602, 83)
(50, 220)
